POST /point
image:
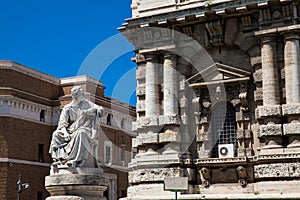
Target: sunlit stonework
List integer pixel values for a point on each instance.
(218, 98)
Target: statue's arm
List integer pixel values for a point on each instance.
(63, 123)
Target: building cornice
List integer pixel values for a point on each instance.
(10, 65)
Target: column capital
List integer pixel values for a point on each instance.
(291, 36)
(169, 55)
(151, 56)
(266, 39)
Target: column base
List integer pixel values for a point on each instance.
(76, 186)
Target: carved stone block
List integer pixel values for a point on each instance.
(258, 94)
(248, 134)
(277, 170)
(134, 126)
(148, 138)
(183, 102)
(136, 142)
(168, 119)
(140, 73)
(257, 76)
(268, 111)
(152, 175)
(140, 90)
(148, 121)
(291, 129)
(202, 136)
(240, 133)
(140, 106)
(290, 109)
(169, 136)
(270, 130)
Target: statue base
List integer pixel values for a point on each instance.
(76, 186)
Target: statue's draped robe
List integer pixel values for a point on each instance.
(82, 127)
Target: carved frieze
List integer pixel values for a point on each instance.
(151, 175)
(270, 130)
(277, 170)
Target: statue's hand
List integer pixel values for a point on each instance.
(66, 135)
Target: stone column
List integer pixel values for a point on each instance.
(270, 112)
(269, 72)
(291, 66)
(170, 85)
(152, 86)
(292, 87)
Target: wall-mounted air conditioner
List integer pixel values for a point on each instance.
(226, 150)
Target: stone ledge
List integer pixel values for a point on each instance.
(270, 130)
(268, 111)
(291, 129)
(291, 109)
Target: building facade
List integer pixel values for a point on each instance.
(30, 104)
(218, 98)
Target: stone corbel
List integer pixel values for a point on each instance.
(246, 21)
(242, 176)
(265, 15)
(243, 96)
(215, 30)
(205, 176)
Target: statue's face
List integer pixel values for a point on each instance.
(78, 94)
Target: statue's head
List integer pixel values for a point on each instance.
(77, 93)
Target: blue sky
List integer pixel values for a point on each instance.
(66, 38)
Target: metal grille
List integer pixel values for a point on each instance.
(223, 127)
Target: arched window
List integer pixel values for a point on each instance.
(223, 128)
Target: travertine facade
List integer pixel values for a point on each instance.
(30, 105)
(218, 97)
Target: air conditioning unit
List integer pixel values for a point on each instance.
(226, 150)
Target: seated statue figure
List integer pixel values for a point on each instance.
(75, 141)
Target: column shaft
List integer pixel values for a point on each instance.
(152, 86)
(170, 85)
(269, 72)
(292, 62)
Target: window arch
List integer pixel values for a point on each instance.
(223, 127)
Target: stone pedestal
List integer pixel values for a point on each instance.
(65, 183)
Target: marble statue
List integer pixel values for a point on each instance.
(75, 141)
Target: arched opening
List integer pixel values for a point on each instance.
(223, 131)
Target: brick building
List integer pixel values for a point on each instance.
(30, 103)
(218, 98)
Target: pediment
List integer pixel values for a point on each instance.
(217, 73)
